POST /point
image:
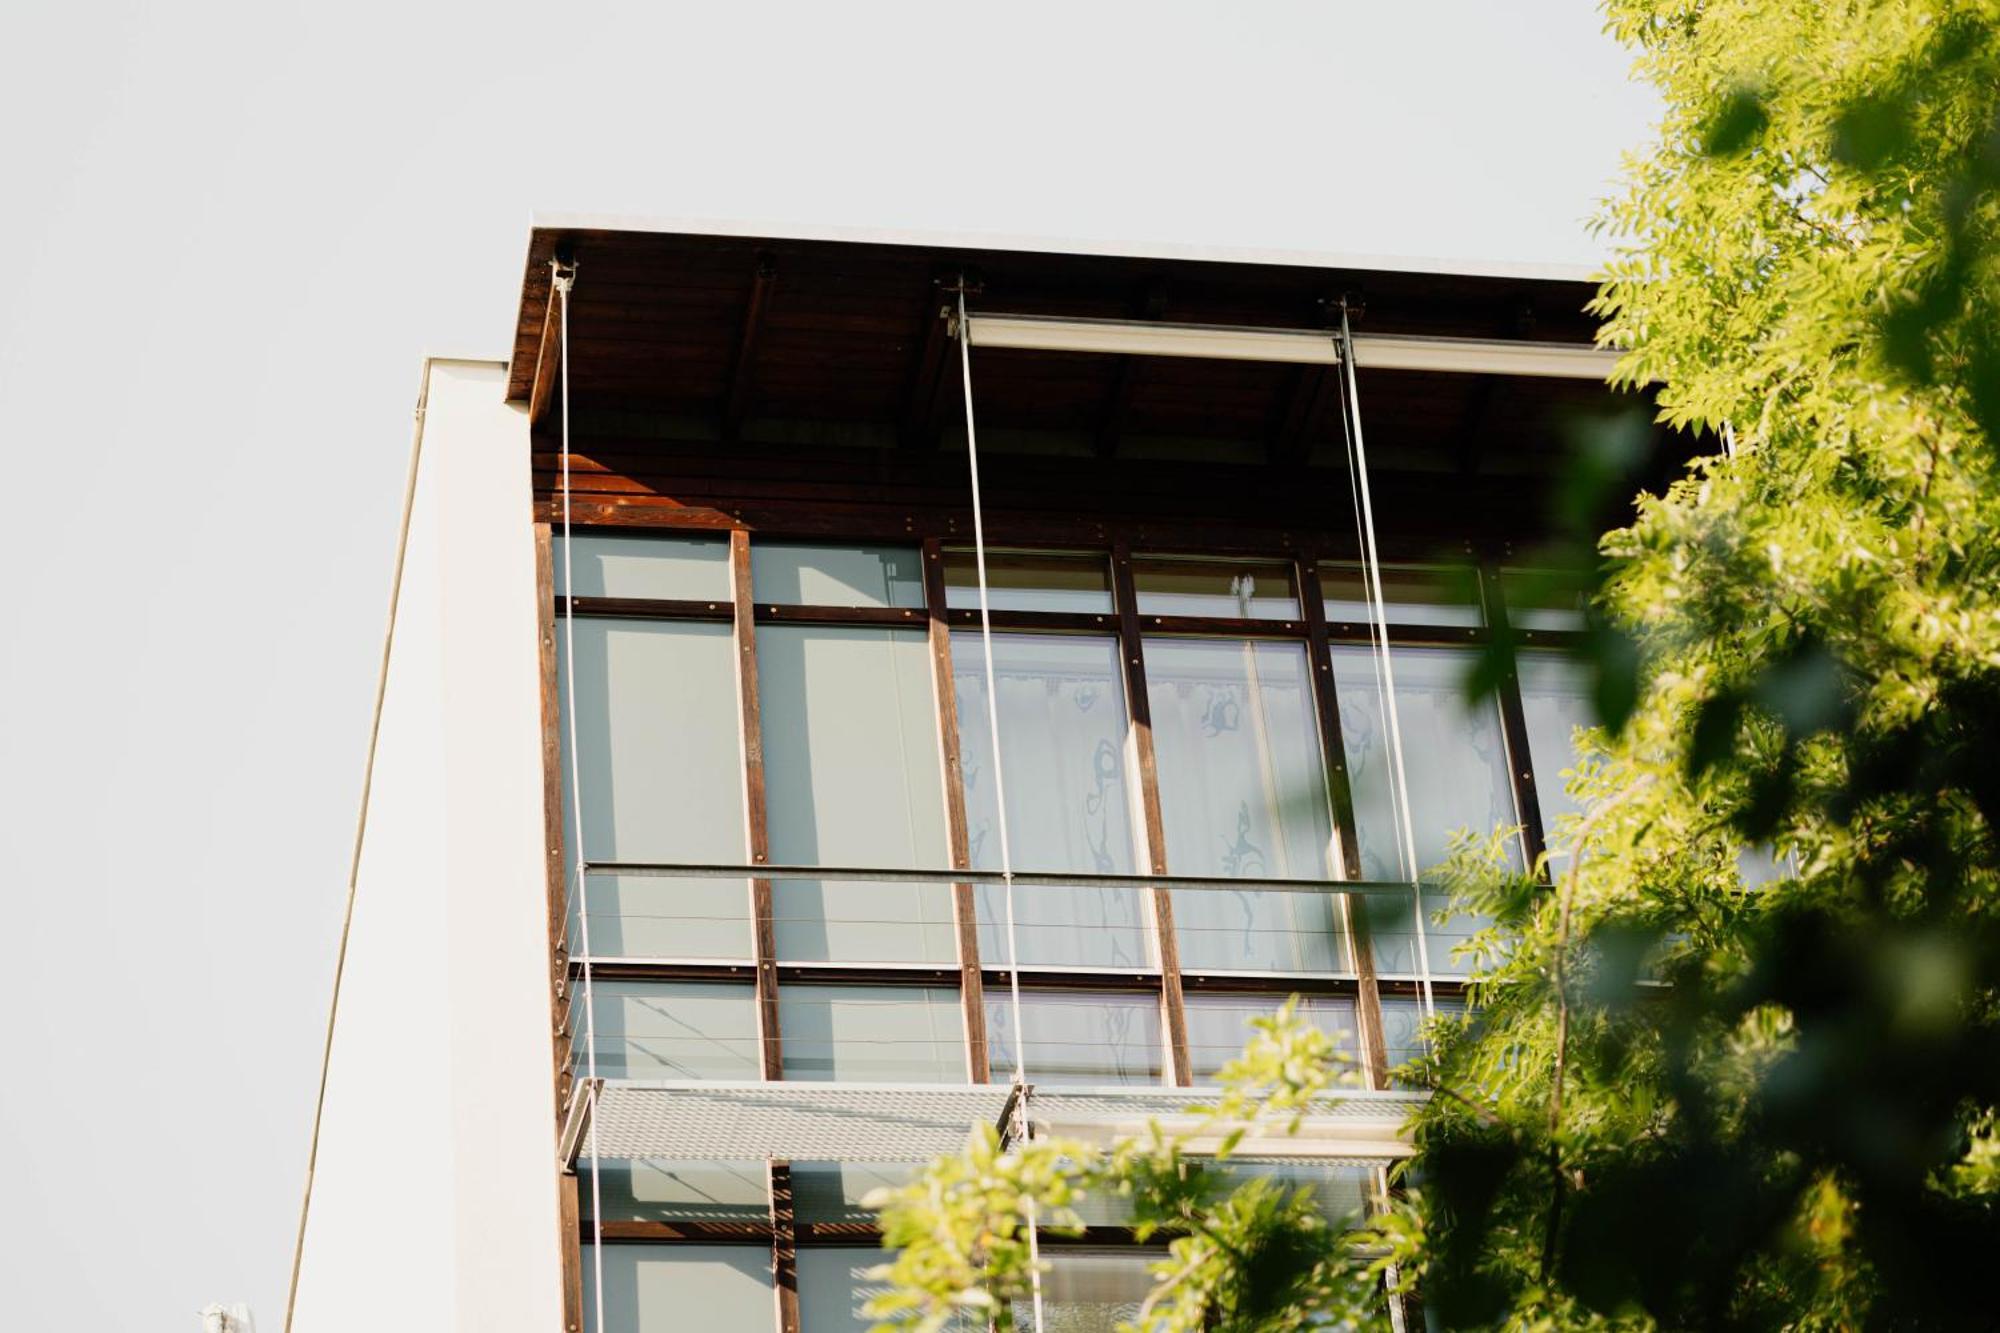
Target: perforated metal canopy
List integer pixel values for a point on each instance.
(721, 1121)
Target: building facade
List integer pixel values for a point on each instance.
(692, 821)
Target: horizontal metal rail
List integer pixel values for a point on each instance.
(1024, 879)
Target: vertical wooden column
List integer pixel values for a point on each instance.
(964, 910)
(1340, 791)
(1132, 657)
(1514, 724)
(570, 1223)
(555, 840)
(784, 1249)
(764, 939)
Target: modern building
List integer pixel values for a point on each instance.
(681, 917)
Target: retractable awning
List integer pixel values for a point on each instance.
(722, 1121)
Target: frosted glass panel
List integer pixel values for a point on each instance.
(1555, 700)
(647, 916)
(1341, 1189)
(872, 1034)
(1542, 599)
(679, 1191)
(1088, 1037)
(851, 766)
(1195, 588)
(834, 1286)
(659, 740)
(653, 1288)
(1063, 730)
(1403, 1027)
(661, 771)
(1411, 595)
(1456, 760)
(784, 574)
(669, 568)
(1243, 792)
(1219, 1027)
(1029, 582)
(833, 1191)
(1093, 1293)
(673, 1030)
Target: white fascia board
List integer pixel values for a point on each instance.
(757, 229)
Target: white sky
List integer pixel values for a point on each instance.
(231, 231)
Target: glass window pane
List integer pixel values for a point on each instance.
(1063, 731)
(1543, 599)
(833, 1191)
(1411, 595)
(1555, 701)
(872, 1034)
(1219, 1027)
(1243, 792)
(679, 1191)
(1087, 1292)
(1087, 1037)
(852, 778)
(1342, 1189)
(834, 1287)
(681, 568)
(661, 764)
(651, 1288)
(1455, 758)
(650, 916)
(673, 1030)
(1022, 582)
(1403, 1027)
(785, 574)
(1196, 588)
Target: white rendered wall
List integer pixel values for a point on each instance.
(435, 1206)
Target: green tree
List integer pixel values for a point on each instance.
(1685, 1096)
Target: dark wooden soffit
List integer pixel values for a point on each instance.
(665, 322)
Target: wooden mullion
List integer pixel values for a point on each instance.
(764, 928)
(964, 905)
(784, 1245)
(1046, 622)
(1514, 726)
(1228, 627)
(1132, 658)
(569, 1232)
(1340, 791)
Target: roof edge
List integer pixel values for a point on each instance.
(1061, 245)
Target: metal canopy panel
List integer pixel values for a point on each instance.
(723, 1121)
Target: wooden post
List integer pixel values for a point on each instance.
(763, 929)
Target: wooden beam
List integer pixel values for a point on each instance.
(1373, 1055)
(1514, 727)
(964, 907)
(919, 422)
(757, 833)
(1150, 304)
(742, 371)
(569, 1225)
(784, 1245)
(548, 352)
(1132, 657)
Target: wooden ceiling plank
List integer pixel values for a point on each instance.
(764, 277)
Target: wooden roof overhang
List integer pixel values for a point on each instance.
(762, 379)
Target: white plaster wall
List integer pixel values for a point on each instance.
(435, 1205)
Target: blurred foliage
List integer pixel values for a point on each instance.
(1732, 1053)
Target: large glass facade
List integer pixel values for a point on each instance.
(1172, 710)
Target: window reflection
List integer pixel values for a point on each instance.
(1241, 591)
(1219, 1027)
(1555, 701)
(1243, 793)
(791, 574)
(1455, 758)
(872, 1034)
(673, 1030)
(1063, 731)
(1017, 581)
(1411, 595)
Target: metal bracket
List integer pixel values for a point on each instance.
(582, 1100)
